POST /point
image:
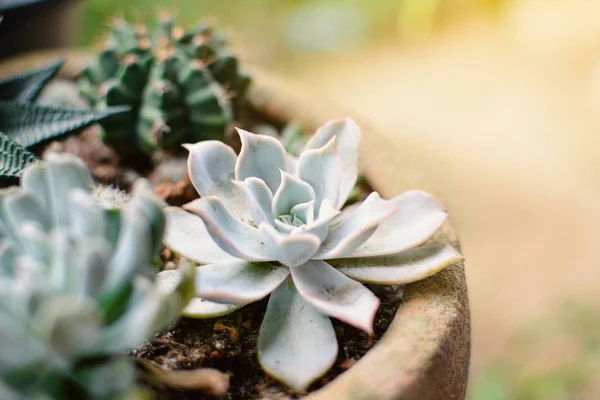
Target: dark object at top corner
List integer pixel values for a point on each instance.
(28, 25)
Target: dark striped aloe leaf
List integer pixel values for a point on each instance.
(14, 158)
(26, 87)
(31, 124)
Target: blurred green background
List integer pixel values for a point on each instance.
(499, 104)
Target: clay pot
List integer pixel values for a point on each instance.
(426, 350)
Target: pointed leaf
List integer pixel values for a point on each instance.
(259, 198)
(322, 169)
(320, 227)
(133, 253)
(290, 250)
(336, 295)
(238, 282)
(291, 192)
(305, 212)
(420, 216)
(405, 267)
(27, 86)
(30, 124)
(357, 228)
(19, 207)
(231, 234)
(347, 137)
(261, 157)
(63, 173)
(200, 308)
(211, 166)
(296, 343)
(186, 235)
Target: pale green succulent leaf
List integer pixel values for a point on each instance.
(347, 137)
(259, 199)
(85, 218)
(231, 234)
(17, 208)
(320, 227)
(110, 379)
(92, 256)
(405, 267)
(290, 250)
(20, 207)
(296, 342)
(8, 257)
(35, 241)
(70, 327)
(420, 215)
(62, 174)
(238, 282)
(321, 168)
(150, 206)
(72, 285)
(19, 346)
(304, 212)
(33, 181)
(186, 235)
(357, 228)
(63, 273)
(291, 192)
(261, 157)
(334, 294)
(201, 308)
(134, 249)
(136, 323)
(211, 167)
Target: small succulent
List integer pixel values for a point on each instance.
(76, 285)
(270, 224)
(182, 85)
(24, 124)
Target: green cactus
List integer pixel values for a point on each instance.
(24, 124)
(75, 285)
(183, 86)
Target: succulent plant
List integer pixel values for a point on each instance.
(182, 85)
(27, 87)
(76, 285)
(270, 224)
(24, 124)
(14, 158)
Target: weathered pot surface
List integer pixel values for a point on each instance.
(426, 350)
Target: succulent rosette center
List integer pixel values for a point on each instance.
(271, 224)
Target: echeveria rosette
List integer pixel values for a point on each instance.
(271, 224)
(76, 284)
